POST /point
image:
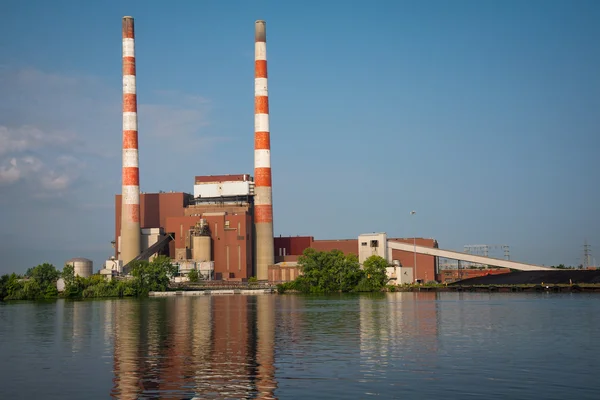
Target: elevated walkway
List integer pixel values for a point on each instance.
(456, 255)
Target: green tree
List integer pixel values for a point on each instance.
(325, 272)
(32, 290)
(152, 276)
(44, 275)
(51, 292)
(374, 274)
(68, 274)
(193, 276)
(3, 287)
(14, 288)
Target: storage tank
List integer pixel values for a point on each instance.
(81, 266)
(201, 248)
(201, 242)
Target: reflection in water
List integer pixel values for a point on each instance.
(127, 334)
(195, 347)
(396, 345)
(265, 351)
(398, 332)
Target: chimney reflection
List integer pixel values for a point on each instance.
(196, 347)
(126, 361)
(265, 349)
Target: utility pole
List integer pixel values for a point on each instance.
(414, 246)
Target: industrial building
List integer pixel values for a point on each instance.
(224, 228)
(288, 250)
(210, 231)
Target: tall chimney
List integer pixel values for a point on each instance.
(130, 206)
(263, 205)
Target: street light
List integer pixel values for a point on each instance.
(415, 247)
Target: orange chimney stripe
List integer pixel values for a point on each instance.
(131, 176)
(128, 28)
(130, 139)
(129, 102)
(262, 141)
(260, 69)
(262, 177)
(263, 214)
(261, 105)
(128, 65)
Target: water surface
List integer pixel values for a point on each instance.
(394, 345)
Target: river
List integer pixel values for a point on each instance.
(394, 345)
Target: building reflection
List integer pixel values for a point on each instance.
(398, 328)
(195, 347)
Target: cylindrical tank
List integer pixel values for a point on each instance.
(81, 266)
(201, 248)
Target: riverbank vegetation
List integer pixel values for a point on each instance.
(332, 271)
(40, 282)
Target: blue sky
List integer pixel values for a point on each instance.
(481, 116)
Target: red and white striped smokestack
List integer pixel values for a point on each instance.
(130, 207)
(263, 204)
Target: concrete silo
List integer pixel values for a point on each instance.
(81, 266)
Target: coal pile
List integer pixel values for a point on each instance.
(560, 276)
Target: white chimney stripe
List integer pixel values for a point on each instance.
(129, 84)
(262, 196)
(262, 158)
(260, 51)
(130, 158)
(261, 122)
(128, 47)
(131, 194)
(130, 121)
(260, 87)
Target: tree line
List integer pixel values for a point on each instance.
(40, 282)
(332, 271)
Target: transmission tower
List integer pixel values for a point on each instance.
(587, 254)
(484, 250)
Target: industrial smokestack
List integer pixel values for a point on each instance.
(130, 206)
(263, 205)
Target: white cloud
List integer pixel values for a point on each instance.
(59, 130)
(28, 138)
(43, 180)
(9, 173)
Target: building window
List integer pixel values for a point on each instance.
(226, 224)
(374, 243)
(239, 228)
(227, 254)
(363, 244)
(239, 258)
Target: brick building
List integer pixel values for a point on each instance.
(288, 249)
(223, 203)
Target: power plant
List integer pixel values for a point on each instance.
(224, 229)
(228, 218)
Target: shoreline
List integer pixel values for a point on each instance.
(209, 292)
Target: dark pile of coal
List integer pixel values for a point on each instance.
(560, 276)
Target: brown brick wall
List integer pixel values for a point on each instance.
(155, 208)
